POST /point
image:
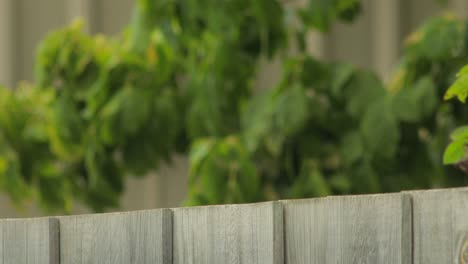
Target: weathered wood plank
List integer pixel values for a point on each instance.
(440, 224)
(29, 241)
(229, 234)
(2, 258)
(131, 237)
(367, 229)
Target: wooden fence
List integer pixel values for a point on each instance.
(429, 227)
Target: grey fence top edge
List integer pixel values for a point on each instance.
(421, 191)
(225, 205)
(405, 192)
(122, 213)
(162, 210)
(345, 196)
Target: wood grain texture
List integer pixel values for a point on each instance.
(29, 241)
(229, 234)
(365, 229)
(440, 223)
(132, 237)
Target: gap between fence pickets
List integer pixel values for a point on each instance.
(407, 241)
(421, 213)
(54, 234)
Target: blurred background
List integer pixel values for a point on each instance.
(373, 41)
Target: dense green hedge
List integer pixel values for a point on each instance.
(180, 78)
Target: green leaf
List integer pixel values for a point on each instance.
(379, 129)
(224, 173)
(352, 148)
(361, 92)
(455, 152)
(365, 179)
(413, 103)
(321, 13)
(66, 130)
(459, 88)
(311, 182)
(461, 133)
(437, 40)
(272, 117)
(318, 185)
(342, 74)
(341, 183)
(198, 153)
(463, 71)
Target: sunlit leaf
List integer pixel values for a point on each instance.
(455, 152)
(459, 88)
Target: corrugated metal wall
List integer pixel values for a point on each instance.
(373, 42)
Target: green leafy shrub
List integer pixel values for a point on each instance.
(456, 152)
(180, 78)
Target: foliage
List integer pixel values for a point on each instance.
(456, 152)
(180, 78)
(321, 13)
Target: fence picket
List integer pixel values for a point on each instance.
(29, 241)
(131, 237)
(440, 226)
(348, 229)
(229, 234)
